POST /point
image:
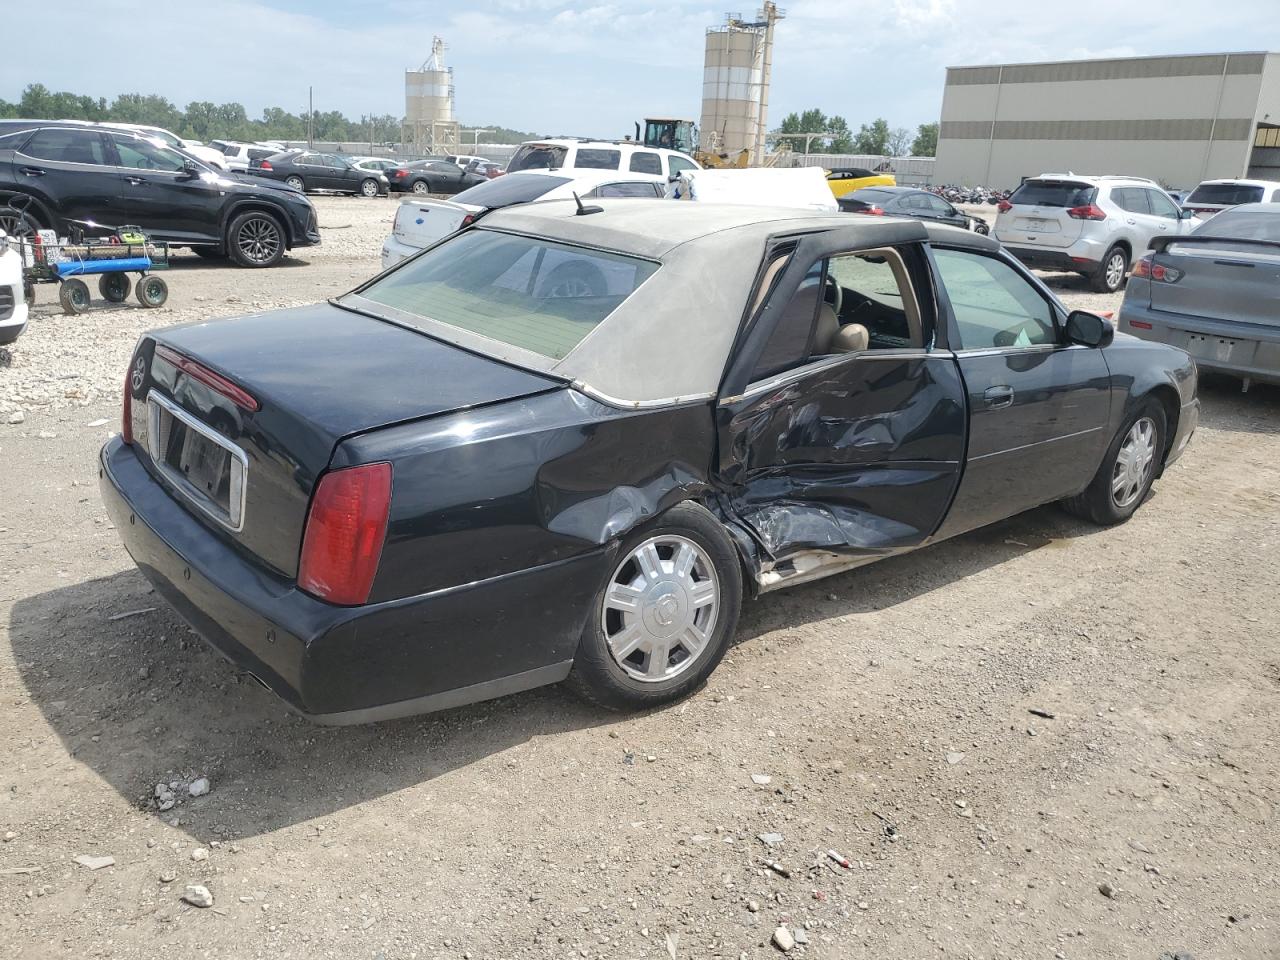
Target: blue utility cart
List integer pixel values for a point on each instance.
(111, 259)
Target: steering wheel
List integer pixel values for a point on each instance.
(833, 293)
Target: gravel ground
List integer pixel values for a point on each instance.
(895, 714)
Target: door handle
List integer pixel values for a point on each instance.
(1131, 222)
(136, 181)
(996, 397)
(32, 171)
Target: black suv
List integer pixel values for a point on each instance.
(79, 177)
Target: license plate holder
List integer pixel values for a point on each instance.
(200, 463)
(1213, 349)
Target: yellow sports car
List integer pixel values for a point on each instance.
(855, 178)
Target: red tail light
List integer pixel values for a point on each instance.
(214, 381)
(1090, 211)
(1147, 267)
(469, 219)
(265, 165)
(1004, 206)
(345, 531)
(126, 422)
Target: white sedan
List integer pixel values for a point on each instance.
(420, 223)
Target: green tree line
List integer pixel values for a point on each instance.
(205, 120)
(834, 135)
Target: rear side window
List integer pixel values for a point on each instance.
(505, 191)
(528, 292)
(537, 156)
(1161, 205)
(1054, 193)
(642, 189)
(67, 146)
(642, 161)
(1231, 194)
(677, 165)
(593, 159)
(1132, 199)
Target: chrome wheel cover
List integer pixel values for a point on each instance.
(420, 187)
(1115, 270)
(1135, 462)
(258, 239)
(660, 608)
(369, 188)
(295, 182)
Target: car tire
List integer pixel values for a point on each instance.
(256, 239)
(369, 188)
(295, 181)
(1111, 272)
(682, 620)
(74, 296)
(152, 292)
(114, 287)
(420, 187)
(1128, 470)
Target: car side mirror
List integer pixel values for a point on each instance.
(1088, 329)
(1185, 214)
(189, 168)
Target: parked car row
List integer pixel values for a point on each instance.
(89, 179)
(311, 170)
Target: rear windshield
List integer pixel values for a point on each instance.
(1054, 193)
(534, 294)
(505, 191)
(1228, 193)
(1251, 224)
(537, 156)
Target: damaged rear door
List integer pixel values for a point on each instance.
(841, 423)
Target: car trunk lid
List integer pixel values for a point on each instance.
(1039, 214)
(420, 223)
(239, 418)
(1218, 279)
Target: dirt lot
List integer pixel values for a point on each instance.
(890, 708)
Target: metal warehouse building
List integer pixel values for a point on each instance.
(1178, 119)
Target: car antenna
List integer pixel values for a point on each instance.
(584, 210)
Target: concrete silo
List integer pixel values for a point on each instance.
(735, 84)
(429, 120)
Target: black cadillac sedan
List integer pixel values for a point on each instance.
(565, 443)
(309, 170)
(910, 202)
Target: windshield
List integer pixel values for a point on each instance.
(1053, 193)
(508, 190)
(527, 292)
(537, 156)
(1231, 194)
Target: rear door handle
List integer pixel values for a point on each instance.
(32, 171)
(1001, 396)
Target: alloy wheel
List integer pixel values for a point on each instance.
(369, 188)
(660, 608)
(259, 239)
(1135, 461)
(18, 227)
(1115, 270)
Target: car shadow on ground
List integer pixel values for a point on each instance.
(141, 699)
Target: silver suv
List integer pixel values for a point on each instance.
(1095, 226)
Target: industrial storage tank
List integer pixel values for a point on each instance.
(735, 84)
(429, 118)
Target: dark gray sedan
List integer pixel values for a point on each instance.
(910, 202)
(1215, 293)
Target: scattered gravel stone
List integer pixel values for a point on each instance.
(1107, 890)
(9, 835)
(761, 779)
(199, 854)
(17, 417)
(783, 940)
(199, 787)
(770, 839)
(954, 757)
(168, 876)
(95, 863)
(198, 895)
(753, 906)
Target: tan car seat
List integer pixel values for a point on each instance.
(830, 337)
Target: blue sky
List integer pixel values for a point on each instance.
(589, 67)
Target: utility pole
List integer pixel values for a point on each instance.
(311, 116)
(475, 137)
